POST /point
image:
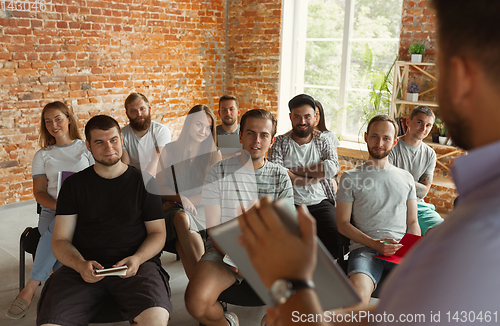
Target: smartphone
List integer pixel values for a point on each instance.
(113, 271)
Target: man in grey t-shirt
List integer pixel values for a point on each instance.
(228, 132)
(413, 155)
(376, 206)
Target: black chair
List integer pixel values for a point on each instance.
(110, 311)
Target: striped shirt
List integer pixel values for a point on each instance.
(229, 184)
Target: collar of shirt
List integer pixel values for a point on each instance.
(480, 166)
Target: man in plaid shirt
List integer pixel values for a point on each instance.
(309, 158)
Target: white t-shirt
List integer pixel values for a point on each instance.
(141, 150)
(305, 155)
(49, 162)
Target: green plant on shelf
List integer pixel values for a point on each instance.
(417, 48)
(441, 128)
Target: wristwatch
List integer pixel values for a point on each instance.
(283, 289)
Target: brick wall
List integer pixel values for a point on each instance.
(92, 54)
(253, 57)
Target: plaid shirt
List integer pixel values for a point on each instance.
(281, 146)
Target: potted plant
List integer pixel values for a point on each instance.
(416, 50)
(442, 131)
(412, 91)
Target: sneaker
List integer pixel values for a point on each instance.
(17, 308)
(232, 319)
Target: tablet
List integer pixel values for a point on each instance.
(332, 286)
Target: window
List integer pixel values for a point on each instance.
(333, 50)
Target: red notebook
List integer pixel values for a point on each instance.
(408, 241)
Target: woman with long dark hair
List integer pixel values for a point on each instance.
(62, 149)
(321, 125)
(183, 166)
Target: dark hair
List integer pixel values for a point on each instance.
(229, 98)
(383, 117)
(422, 109)
(260, 114)
(133, 97)
(101, 122)
(46, 139)
(321, 125)
(470, 28)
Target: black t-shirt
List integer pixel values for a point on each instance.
(111, 213)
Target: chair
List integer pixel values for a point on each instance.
(110, 311)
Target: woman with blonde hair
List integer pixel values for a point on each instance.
(62, 149)
(183, 166)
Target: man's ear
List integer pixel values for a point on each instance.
(88, 145)
(240, 137)
(395, 141)
(366, 137)
(462, 75)
(290, 115)
(272, 141)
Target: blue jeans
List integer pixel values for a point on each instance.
(44, 259)
(362, 260)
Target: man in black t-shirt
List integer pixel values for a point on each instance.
(106, 218)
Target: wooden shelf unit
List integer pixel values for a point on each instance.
(400, 84)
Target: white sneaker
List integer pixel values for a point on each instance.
(232, 319)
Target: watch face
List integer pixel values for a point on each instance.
(280, 291)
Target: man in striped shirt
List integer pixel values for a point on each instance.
(239, 180)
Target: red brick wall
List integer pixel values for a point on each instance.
(418, 24)
(91, 55)
(253, 53)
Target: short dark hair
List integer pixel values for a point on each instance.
(260, 114)
(101, 122)
(470, 28)
(227, 97)
(422, 109)
(383, 117)
(133, 97)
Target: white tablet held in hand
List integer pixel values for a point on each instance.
(114, 271)
(332, 286)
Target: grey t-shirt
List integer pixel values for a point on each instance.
(229, 184)
(418, 160)
(379, 199)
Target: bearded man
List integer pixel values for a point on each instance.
(143, 139)
(376, 206)
(309, 157)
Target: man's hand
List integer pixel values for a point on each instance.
(132, 262)
(387, 247)
(188, 205)
(86, 269)
(274, 250)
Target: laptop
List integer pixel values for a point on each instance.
(228, 144)
(332, 286)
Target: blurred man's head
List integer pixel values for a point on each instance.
(138, 111)
(229, 110)
(381, 136)
(469, 67)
